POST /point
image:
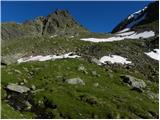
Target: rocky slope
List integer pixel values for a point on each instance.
(49, 70)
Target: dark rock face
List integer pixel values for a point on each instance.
(150, 15)
(58, 23)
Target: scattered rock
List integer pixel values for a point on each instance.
(75, 81)
(82, 68)
(152, 95)
(17, 88)
(110, 75)
(96, 84)
(17, 71)
(59, 77)
(25, 81)
(94, 73)
(28, 105)
(89, 99)
(26, 69)
(40, 102)
(21, 83)
(136, 84)
(33, 87)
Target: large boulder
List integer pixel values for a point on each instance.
(17, 88)
(74, 81)
(136, 84)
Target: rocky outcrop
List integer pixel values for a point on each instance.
(134, 83)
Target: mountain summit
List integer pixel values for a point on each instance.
(59, 23)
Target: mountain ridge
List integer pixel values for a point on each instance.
(59, 22)
(147, 15)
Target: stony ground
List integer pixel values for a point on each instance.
(79, 87)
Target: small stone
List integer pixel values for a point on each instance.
(154, 96)
(21, 83)
(29, 106)
(96, 84)
(94, 73)
(33, 87)
(25, 81)
(17, 71)
(9, 96)
(110, 75)
(40, 102)
(81, 68)
(74, 81)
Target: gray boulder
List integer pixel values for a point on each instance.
(75, 81)
(136, 84)
(17, 88)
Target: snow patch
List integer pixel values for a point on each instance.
(135, 15)
(111, 39)
(114, 59)
(47, 57)
(153, 54)
(124, 30)
(145, 34)
(127, 35)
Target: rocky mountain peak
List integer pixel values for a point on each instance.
(59, 22)
(62, 12)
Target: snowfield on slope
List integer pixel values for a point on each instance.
(114, 59)
(135, 15)
(153, 54)
(47, 57)
(122, 36)
(126, 33)
(124, 30)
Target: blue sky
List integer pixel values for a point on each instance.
(97, 16)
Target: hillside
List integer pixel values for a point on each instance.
(54, 68)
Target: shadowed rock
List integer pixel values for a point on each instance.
(136, 84)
